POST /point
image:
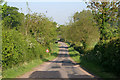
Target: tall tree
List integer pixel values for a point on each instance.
(83, 32)
(11, 16)
(104, 12)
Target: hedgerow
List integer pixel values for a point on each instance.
(17, 49)
(107, 55)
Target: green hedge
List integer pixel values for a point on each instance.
(17, 48)
(106, 55)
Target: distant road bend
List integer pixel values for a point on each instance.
(61, 67)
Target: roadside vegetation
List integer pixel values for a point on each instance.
(90, 66)
(25, 39)
(20, 69)
(95, 34)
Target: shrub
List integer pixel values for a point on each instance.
(107, 55)
(17, 48)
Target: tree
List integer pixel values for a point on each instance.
(83, 31)
(104, 13)
(11, 16)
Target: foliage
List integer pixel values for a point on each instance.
(40, 27)
(82, 33)
(91, 66)
(104, 13)
(25, 37)
(97, 40)
(11, 17)
(106, 55)
(17, 49)
(27, 66)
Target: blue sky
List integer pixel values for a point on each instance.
(59, 11)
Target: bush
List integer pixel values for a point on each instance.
(107, 55)
(17, 49)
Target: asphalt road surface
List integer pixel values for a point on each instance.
(61, 67)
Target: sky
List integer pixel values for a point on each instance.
(59, 10)
(46, 0)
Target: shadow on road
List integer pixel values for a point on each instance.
(65, 62)
(45, 74)
(56, 75)
(63, 55)
(56, 61)
(63, 47)
(67, 67)
(61, 50)
(79, 76)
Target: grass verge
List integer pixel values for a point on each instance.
(75, 55)
(26, 67)
(91, 67)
